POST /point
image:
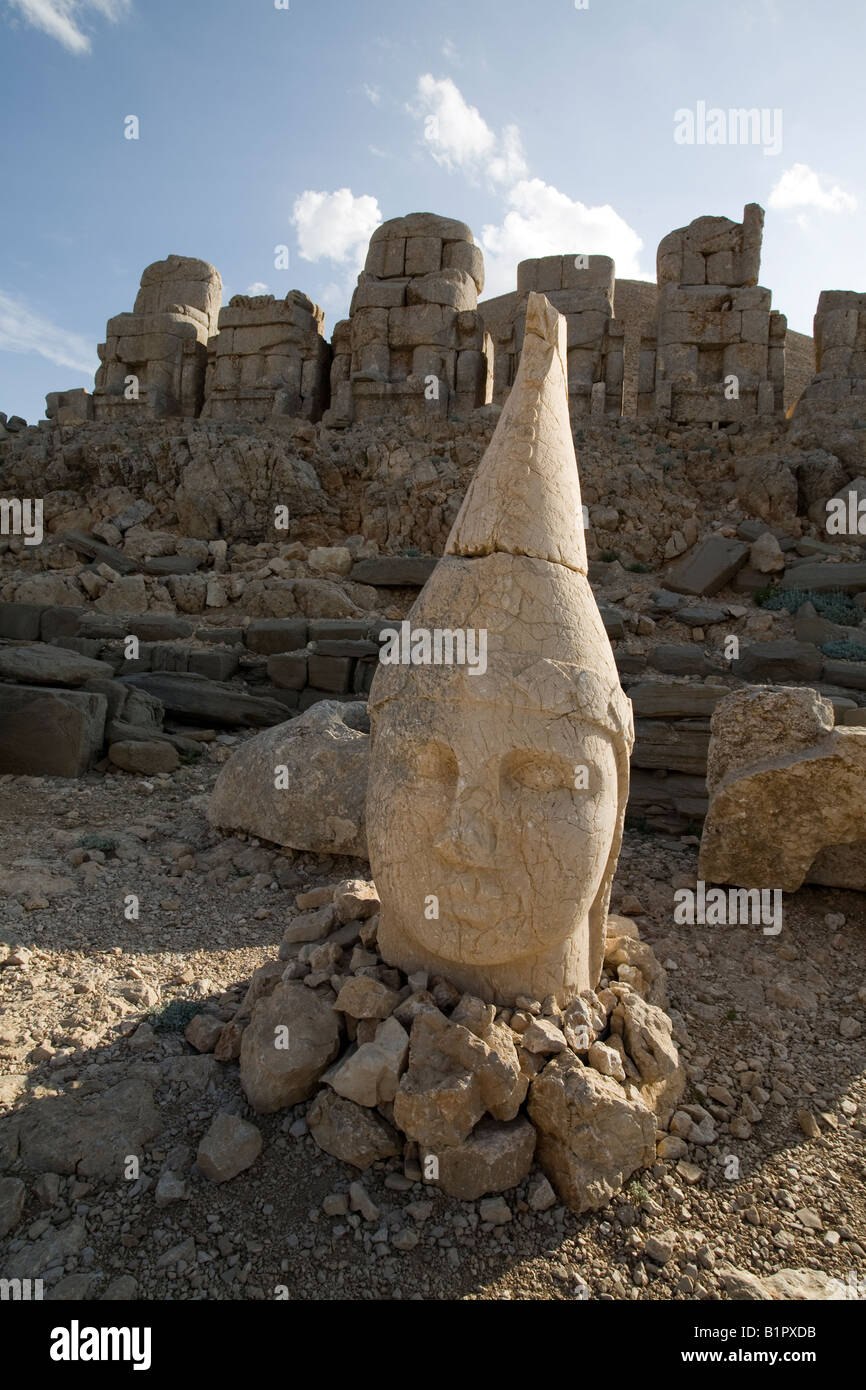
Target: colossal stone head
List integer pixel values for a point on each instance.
(497, 789)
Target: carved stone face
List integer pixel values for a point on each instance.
(505, 817)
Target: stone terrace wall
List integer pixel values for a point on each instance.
(269, 358)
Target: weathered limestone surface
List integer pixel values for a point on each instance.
(719, 348)
(414, 341)
(270, 357)
(713, 251)
(318, 802)
(592, 1135)
(496, 799)
(162, 343)
(785, 786)
(291, 1038)
(840, 350)
(50, 732)
(582, 289)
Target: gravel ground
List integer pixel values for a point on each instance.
(771, 1030)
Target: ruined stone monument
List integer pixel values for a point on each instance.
(581, 287)
(496, 797)
(786, 793)
(840, 350)
(719, 350)
(154, 360)
(414, 340)
(270, 357)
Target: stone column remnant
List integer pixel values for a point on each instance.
(840, 350)
(414, 340)
(154, 360)
(582, 289)
(269, 358)
(497, 791)
(719, 347)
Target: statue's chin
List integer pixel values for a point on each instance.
(464, 942)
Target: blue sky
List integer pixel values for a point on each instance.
(545, 127)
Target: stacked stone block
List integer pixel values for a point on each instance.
(582, 289)
(840, 349)
(154, 360)
(719, 349)
(69, 407)
(269, 358)
(414, 341)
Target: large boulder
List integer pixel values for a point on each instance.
(91, 1133)
(288, 1043)
(302, 783)
(785, 786)
(592, 1134)
(496, 1156)
(454, 1077)
(349, 1131)
(49, 732)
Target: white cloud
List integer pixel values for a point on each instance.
(539, 220)
(801, 187)
(542, 221)
(257, 287)
(63, 19)
(373, 94)
(458, 136)
(335, 225)
(448, 50)
(509, 164)
(21, 330)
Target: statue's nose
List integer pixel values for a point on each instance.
(469, 837)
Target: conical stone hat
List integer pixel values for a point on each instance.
(515, 564)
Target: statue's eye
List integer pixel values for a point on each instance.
(436, 762)
(539, 774)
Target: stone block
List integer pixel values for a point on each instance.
(49, 732)
(288, 670)
(452, 288)
(462, 255)
(394, 571)
(217, 666)
(710, 566)
(423, 255)
(781, 661)
(330, 673)
(20, 621)
(270, 635)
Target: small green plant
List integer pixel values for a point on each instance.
(412, 553)
(637, 1191)
(845, 650)
(104, 842)
(190, 756)
(174, 1017)
(608, 555)
(638, 567)
(835, 605)
(731, 1015)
